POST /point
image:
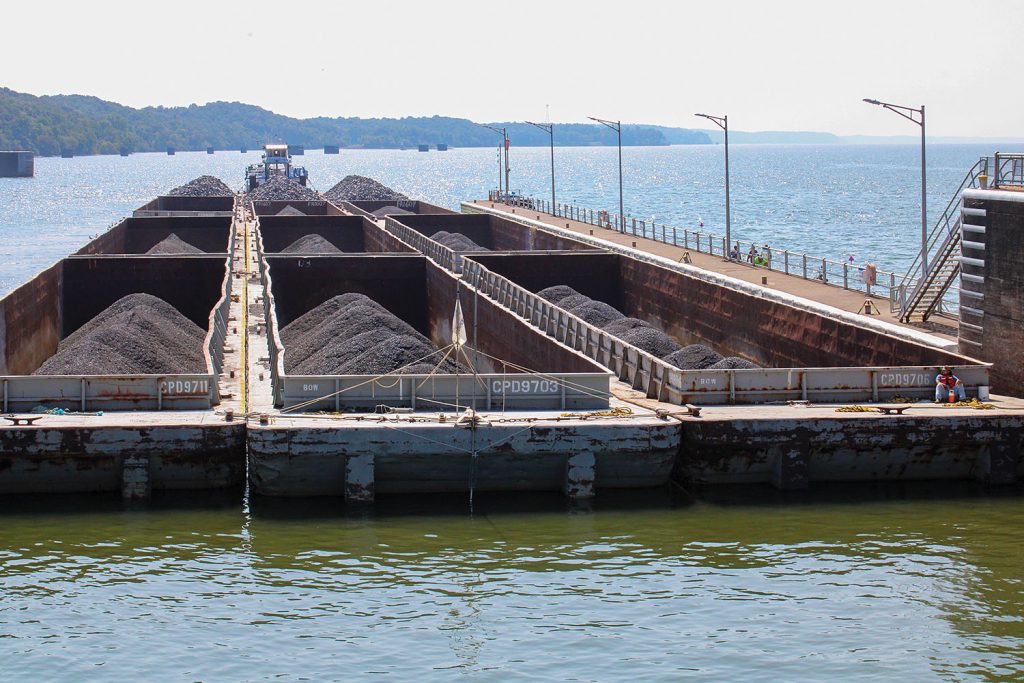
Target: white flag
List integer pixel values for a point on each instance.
(458, 326)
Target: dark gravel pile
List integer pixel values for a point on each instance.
(693, 357)
(654, 342)
(556, 293)
(456, 241)
(280, 188)
(139, 334)
(597, 313)
(734, 363)
(389, 355)
(313, 318)
(620, 325)
(290, 211)
(311, 244)
(172, 244)
(203, 186)
(573, 300)
(361, 188)
(391, 211)
(351, 334)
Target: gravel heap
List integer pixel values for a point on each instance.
(352, 334)
(693, 357)
(203, 186)
(311, 244)
(139, 334)
(597, 313)
(556, 293)
(617, 327)
(456, 241)
(290, 211)
(654, 342)
(391, 211)
(639, 333)
(172, 244)
(361, 188)
(280, 188)
(734, 363)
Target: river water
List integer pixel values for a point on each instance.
(917, 583)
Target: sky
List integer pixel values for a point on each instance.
(770, 65)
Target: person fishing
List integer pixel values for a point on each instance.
(947, 385)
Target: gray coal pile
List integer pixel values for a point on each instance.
(556, 293)
(693, 357)
(734, 363)
(279, 188)
(290, 211)
(311, 244)
(640, 333)
(203, 186)
(172, 244)
(138, 334)
(456, 241)
(359, 188)
(351, 334)
(391, 211)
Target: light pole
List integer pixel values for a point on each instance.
(550, 128)
(723, 123)
(908, 113)
(617, 127)
(504, 143)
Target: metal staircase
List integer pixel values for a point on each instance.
(921, 295)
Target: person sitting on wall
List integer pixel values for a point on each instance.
(946, 382)
(752, 254)
(734, 255)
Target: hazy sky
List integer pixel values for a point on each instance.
(771, 65)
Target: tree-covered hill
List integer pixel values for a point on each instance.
(78, 124)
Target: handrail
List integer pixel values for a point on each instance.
(798, 264)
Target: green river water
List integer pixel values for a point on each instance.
(915, 583)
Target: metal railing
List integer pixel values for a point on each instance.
(1008, 170)
(798, 264)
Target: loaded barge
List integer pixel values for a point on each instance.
(517, 391)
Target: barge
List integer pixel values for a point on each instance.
(540, 400)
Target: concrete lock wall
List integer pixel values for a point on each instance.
(350, 234)
(138, 235)
(993, 250)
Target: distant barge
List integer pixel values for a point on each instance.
(559, 404)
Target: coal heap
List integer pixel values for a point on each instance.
(693, 357)
(290, 211)
(311, 244)
(597, 313)
(654, 342)
(361, 188)
(391, 211)
(351, 334)
(279, 188)
(203, 186)
(138, 334)
(556, 293)
(172, 244)
(456, 241)
(734, 363)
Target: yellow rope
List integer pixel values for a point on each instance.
(972, 403)
(854, 409)
(621, 411)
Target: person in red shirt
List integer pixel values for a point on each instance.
(946, 382)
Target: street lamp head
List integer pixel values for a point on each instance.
(870, 101)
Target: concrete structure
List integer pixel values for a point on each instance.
(992, 288)
(17, 164)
